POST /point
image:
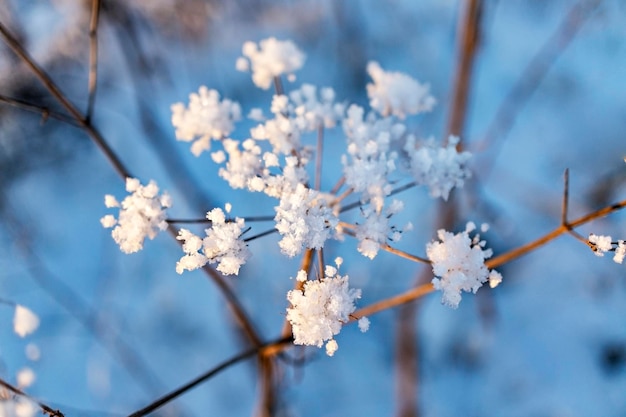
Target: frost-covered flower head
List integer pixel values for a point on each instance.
(304, 219)
(142, 214)
(270, 58)
(206, 118)
(319, 310)
(600, 244)
(440, 168)
(395, 93)
(458, 263)
(376, 230)
(222, 245)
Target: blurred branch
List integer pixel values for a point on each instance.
(534, 73)
(258, 350)
(93, 58)
(44, 111)
(469, 39)
(44, 408)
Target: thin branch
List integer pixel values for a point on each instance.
(207, 221)
(469, 38)
(44, 111)
(534, 73)
(395, 191)
(562, 229)
(404, 255)
(51, 86)
(395, 301)
(258, 350)
(278, 86)
(338, 185)
(44, 408)
(318, 157)
(265, 233)
(565, 206)
(93, 58)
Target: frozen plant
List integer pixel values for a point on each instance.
(318, 311)
(458, 262)
(222, 245)
(439, 168)
(601, 244)
(206, 118)
(269, 59)
(142, 214)
(395, 93)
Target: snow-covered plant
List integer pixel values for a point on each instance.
(458, 262)
(600, 244)
(321, 308)
(222, 245)
(207, 117)
(270, 58)
(142, 214)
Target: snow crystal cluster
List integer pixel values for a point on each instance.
(321, 308)
(207, 117)
(397, 93)
(439, 168)
(222, 245)
(458, 262)
(142, 214)
(601, 244)
(270, 58)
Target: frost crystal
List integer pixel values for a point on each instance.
(24, 321)
(142, 214)
(304, 219)
(601, 244)
(377, 230)
(222, 245)
(319, 310)
(206, 118)
(439, 168)
(458, 263)
(270, 58)
(395, 93)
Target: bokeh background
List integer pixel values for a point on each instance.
(548, 92)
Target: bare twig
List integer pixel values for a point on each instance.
(44, 111)
(562, 229)
(44, 408)
(469, 39)
(93, 59)
(565, 206)
(318, 157)
(257, 350)
(534, 73)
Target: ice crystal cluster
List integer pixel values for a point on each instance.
(142, 214)
(458, 262)
(222, 245)
(277, 156)
(601, 244)
(319, 310)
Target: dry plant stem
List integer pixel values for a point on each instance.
(318, 159)
(257, 350)
(338, 185)
(93, 59)
(17, 48)
(95, 135)
(44, 408)
(44, 111)
(395, 301)
(534, 73)
(278, 86)
(395, 191)
(565, 203)
(207, 221)
(469, 38)
(562, 229)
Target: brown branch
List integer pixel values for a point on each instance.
(562, 229)
(318, 157)
(469, 39)
(44, 408)
(257, 350)
(93, 59)
(534, 73)
(44, 111)
(410, 295)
